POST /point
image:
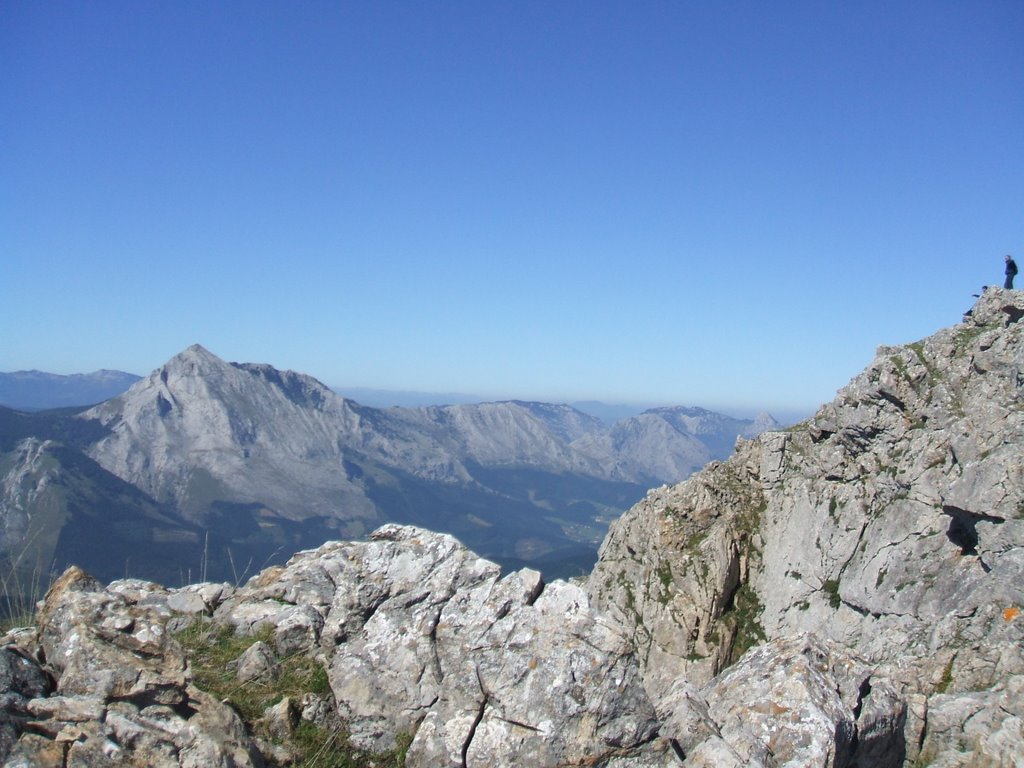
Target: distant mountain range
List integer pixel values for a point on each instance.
(36, 390)
(391, 398)
(213, 469)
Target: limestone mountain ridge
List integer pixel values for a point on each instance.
(249, 464)
(217, 407)
(848, 592)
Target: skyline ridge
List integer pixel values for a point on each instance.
(405, 398)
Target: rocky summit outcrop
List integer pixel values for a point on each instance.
(422, 637)
(424, 644)
(890, 526)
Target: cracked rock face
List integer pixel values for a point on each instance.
(796, 702)
(891, 524)
(533, 682)
(422, 637)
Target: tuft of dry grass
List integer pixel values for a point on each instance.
(212, 650)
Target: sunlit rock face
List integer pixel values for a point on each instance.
(420, 640)
(891, 524)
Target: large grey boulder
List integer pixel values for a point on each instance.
(796, 702)
(534, 680)
(422, 637)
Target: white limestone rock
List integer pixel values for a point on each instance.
(124, 694)
(891, 523)
(804, 702)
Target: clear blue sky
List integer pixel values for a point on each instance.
(720, 204)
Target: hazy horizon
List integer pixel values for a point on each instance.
(408, 398)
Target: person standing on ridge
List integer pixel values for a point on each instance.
(1011, 271)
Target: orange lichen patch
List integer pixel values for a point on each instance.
(1011, 613)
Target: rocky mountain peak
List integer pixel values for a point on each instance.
(199, 427)
(197, 351)
(763, 422)
(248, 447)
(193, 359)
(197, 372)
